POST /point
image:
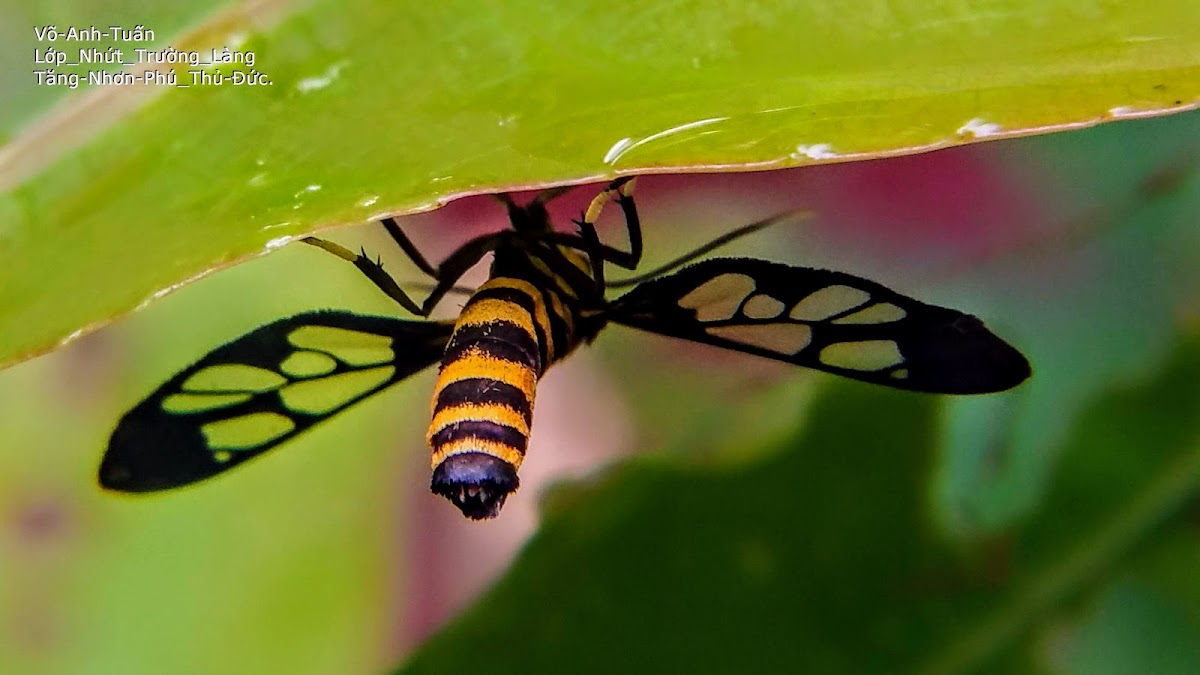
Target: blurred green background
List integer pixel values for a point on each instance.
(682, 508)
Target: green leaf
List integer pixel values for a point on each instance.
(822, 558)
(377, 108)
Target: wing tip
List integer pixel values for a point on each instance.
(116, 475)
(121, 472)
(967, 358)
(135, 460)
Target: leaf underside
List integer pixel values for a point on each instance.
(394, 108)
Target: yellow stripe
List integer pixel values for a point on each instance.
(488, 310)
(478, 412)
(488, 447)
(539, 308)
(478, 364)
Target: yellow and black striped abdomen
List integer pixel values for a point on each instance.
(483, 400)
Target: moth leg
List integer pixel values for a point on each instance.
(446, 274)
(708, 248)
(588, 242)
(550, 193)
(621, 190)
(372, 270)
(633, 225)
(407, 246)
(540, 198)
(456, 265)
(593, 249)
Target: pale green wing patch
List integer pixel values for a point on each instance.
(864, 355)
(183, 404)
(828, 301)
(352, 347)
(882, 312)
(234, 377)
(718, 298)
(245, 432)
(322, 396)
(308, 364)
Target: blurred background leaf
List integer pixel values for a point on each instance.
(822, 559)
(376, 108)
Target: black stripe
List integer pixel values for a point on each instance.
(522, 300)
(483, 391)
(498, 339)
(482, 429)
(505, 293)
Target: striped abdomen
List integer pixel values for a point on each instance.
(483, 400)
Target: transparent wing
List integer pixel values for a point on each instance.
(258, 391)
(829, 321)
